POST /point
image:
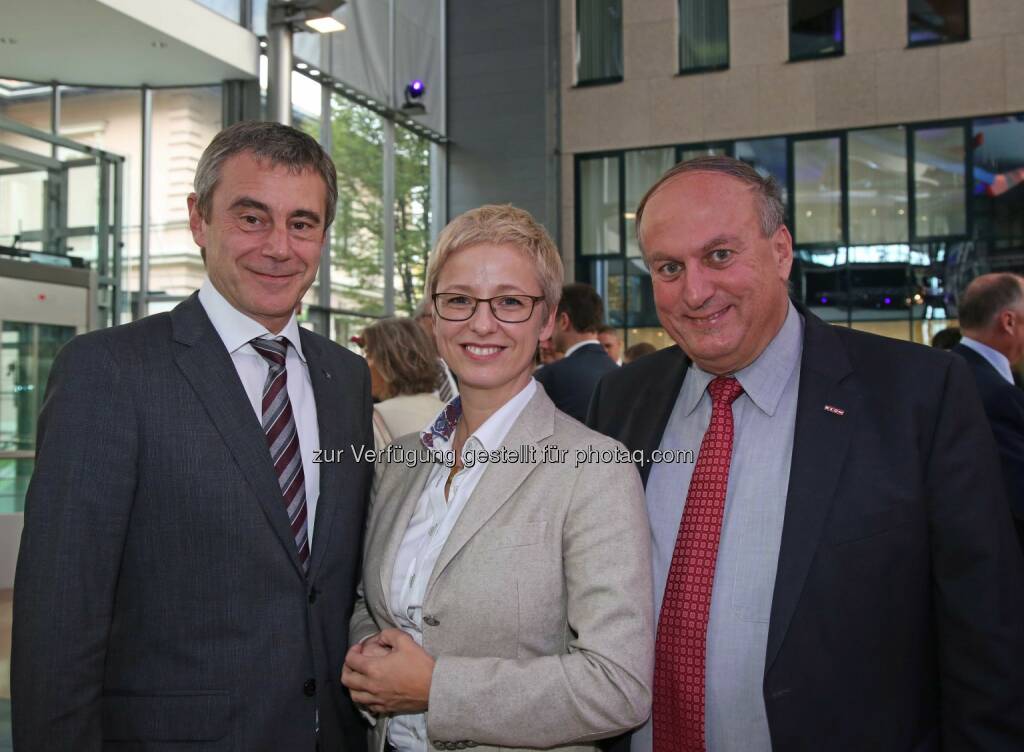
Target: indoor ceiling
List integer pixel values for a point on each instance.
(123, 43)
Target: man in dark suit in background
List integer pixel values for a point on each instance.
(188, 568)
(834, 564)
(991, 314)
(570, 381)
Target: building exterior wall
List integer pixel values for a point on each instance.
(878, 81)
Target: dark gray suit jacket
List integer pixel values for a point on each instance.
(159, 601)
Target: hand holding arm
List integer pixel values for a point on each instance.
(389, 673)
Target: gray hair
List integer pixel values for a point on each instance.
(272, 142)
(767, 191)
(986, 297)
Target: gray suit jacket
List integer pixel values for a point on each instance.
(539, 610)
(159, 602)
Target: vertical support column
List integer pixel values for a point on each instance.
(115, 241)
(142, 308)
(279, 71)
(322, 315)
(388, 194)
(388, 210)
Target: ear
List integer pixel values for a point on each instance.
(196, 223)
(782, 247)
(564, 324)
(548, 326)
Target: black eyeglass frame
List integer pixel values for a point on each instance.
(534, 299)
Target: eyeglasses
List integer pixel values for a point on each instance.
(509, 309)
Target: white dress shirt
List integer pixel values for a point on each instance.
(583, 343)
(999, 361)
(429, 528)
(235, 330)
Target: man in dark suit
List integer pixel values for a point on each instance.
(570, 381)
(834, 565)
(991, 314)
(188, 568)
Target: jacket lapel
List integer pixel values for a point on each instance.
(645, 424)
(209, 369)
(500, 480)
(820, 443)
(335, 419)
(392, 529)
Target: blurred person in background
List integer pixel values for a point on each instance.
(571, 381)
(404, 370)
(639, 350)
(947, 338)
(447, 385)
(991, 314)
(609, 339)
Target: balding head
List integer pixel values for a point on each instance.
(991, 311)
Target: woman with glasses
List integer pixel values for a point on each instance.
(506, 595)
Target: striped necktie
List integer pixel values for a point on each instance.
(283, 440)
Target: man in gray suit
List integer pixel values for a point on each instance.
(188, 569)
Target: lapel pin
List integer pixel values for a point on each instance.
(327, 374)
(835, 410)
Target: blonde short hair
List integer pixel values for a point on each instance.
(501, 224)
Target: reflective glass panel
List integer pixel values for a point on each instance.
(999, 177)
(817, 205)
(703, 34)
(599, 206)
(643, 168)
(877, 175)
(939, 190)
(933, 21)
(815, 28)
(598, 40)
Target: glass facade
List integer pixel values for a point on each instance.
(598, 41)
(601, 194)
(817, 192)
(888, 223)
(703, 35)
(936, 21)
(815, 28)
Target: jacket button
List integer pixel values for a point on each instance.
(430, 621)
(312, 595)
(309, 687)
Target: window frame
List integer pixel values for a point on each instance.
(933, 42)
(817, 55)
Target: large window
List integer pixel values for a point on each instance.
(817, 187)
(643, 168)
(598, 41)
(815, 28)
(412, 218)
(877, 185)
(703, 35)
(999, 177)
(357, 236)
(936, 21)
(939, 182)
(600, 206)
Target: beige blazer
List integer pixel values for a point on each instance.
(539, 611)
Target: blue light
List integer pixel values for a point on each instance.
(887, 300)
(824, 300)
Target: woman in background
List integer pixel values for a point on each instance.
(403, 375)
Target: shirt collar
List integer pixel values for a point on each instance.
(998, 361)
(578, 345)
(765, 379)
(439, 434)
(235, 329)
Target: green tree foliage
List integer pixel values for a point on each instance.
(357, 240)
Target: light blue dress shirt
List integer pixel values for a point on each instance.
(998, 361)
(764, 417)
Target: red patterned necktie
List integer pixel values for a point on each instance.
(681, 647)
(283, 440)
